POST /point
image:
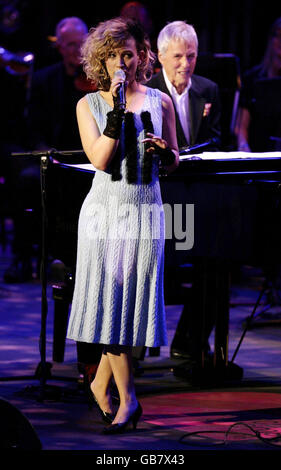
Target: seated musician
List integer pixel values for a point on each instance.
(270, 67)
(196, 99)
(198, 110)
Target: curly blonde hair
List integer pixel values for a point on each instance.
(109, 35)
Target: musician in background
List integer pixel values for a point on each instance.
(16, 62)
(51, 123)
(255, 137)
(138, 12)
(198, 110)
(56, 89)
(270, 67)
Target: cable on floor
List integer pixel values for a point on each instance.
(268, 441)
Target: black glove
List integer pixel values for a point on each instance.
(167, 156)
(114, 121)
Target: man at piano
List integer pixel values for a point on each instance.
(195, 98)
(198, 110)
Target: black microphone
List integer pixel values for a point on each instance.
(121, 97)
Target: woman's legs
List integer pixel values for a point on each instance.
(120, 359)
(116, 361)
(101, 382)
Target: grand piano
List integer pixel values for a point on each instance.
(234, 216)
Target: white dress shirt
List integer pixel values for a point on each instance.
(181, 103)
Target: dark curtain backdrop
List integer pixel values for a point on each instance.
(238, 27)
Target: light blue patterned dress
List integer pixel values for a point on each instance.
(118, 296)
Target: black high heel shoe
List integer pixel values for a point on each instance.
(106, 417)
(121, 427)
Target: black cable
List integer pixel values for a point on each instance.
(226, 433)
(257, 433)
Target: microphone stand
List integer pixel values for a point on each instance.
(199, 148)
(46, 157)
(43, 369)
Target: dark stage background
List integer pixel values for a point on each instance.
(238, 27)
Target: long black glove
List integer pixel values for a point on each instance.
(114, 121)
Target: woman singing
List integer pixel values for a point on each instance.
(118, 298)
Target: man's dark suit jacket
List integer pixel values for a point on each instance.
(204, 109)
(52, 109)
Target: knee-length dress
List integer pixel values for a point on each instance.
(118, 295)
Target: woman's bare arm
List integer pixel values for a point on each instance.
(99, 148)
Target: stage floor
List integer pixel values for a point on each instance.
(178, 415)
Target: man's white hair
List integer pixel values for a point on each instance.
(176, 31)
